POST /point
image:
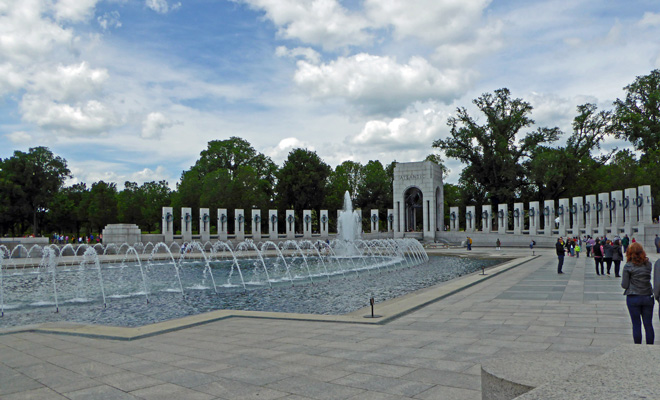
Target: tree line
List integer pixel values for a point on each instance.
(506, 160)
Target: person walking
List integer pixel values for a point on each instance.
(469, 243)
(617, 257)
(498, 244)
(607, 255)
(636, 281)
(625, 242)
(559, 246)
(597, 251)
(657, 244)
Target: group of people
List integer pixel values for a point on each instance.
(65, 239)
(605, 252)
(641, 294)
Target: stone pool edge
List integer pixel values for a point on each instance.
(388, 310)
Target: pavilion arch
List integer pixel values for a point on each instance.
(418, 200)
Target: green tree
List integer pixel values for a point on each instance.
(347, 176)
(156, 196)
(302, 181)
(493, 156)
(571, 170)
(229, 174)
(638, 116)
(130, 203)
(102, 208)
(32, 180)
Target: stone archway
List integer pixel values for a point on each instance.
(414, 204)
(418, 200)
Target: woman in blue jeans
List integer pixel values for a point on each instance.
(636, 281)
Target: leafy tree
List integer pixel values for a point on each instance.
(493, 156)
(229, 174)
(302, 181)
(156, 196)
(32, 180)
(346, 177)
(570, 170)
(638, 116)
(130, 203)
(102, 206)
(374, 191)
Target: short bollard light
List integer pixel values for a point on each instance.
(372, 302)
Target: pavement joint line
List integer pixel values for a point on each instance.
(390, 309)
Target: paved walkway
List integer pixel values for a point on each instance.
(431, 353)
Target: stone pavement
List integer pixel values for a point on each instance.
(431, 353)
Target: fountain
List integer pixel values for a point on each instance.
(138, 284)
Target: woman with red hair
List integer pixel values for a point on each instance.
(636, 281)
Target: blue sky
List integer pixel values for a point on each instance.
(134, 90)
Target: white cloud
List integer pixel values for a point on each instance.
(69, 82)
(419, 126)
(148, 175)
(91, 117)
(650, 19)
(109, 20)
(26, 37)
(153, 125)
(74, 10)
(20, 137)
(161, 6)
(280, 152)
(435, 22)
(319, 22)
(305, 52)
(379, 84)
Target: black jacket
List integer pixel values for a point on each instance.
(560, 248)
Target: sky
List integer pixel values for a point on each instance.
(133, 90)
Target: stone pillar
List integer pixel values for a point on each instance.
(239, 228)
(534, 213)
(602, 207)
(454, 218)
(518, 218)
(256, 224)
(390, 220)
(186, 224)
(324, 222)
(486, 216)
(307, 224)
(590, 213)
(272, 224)
(222, 224)
(629, 209)
(548, 217)
(616, 211)
(577, 213)
(374, 221)
(167, 225)
(502, 218)
(470, 218)
(290, 223)
(644, 204)
(563, 213)
(204, 225)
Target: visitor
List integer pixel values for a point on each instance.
(617, 257)
(657, 244)
(607, 255)
(625, 242)
(589, 245)
(639, 293)
(597, 251)
(577, 250)
(559, 246)
(531, 245)
(498, 243)
(469, 243)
